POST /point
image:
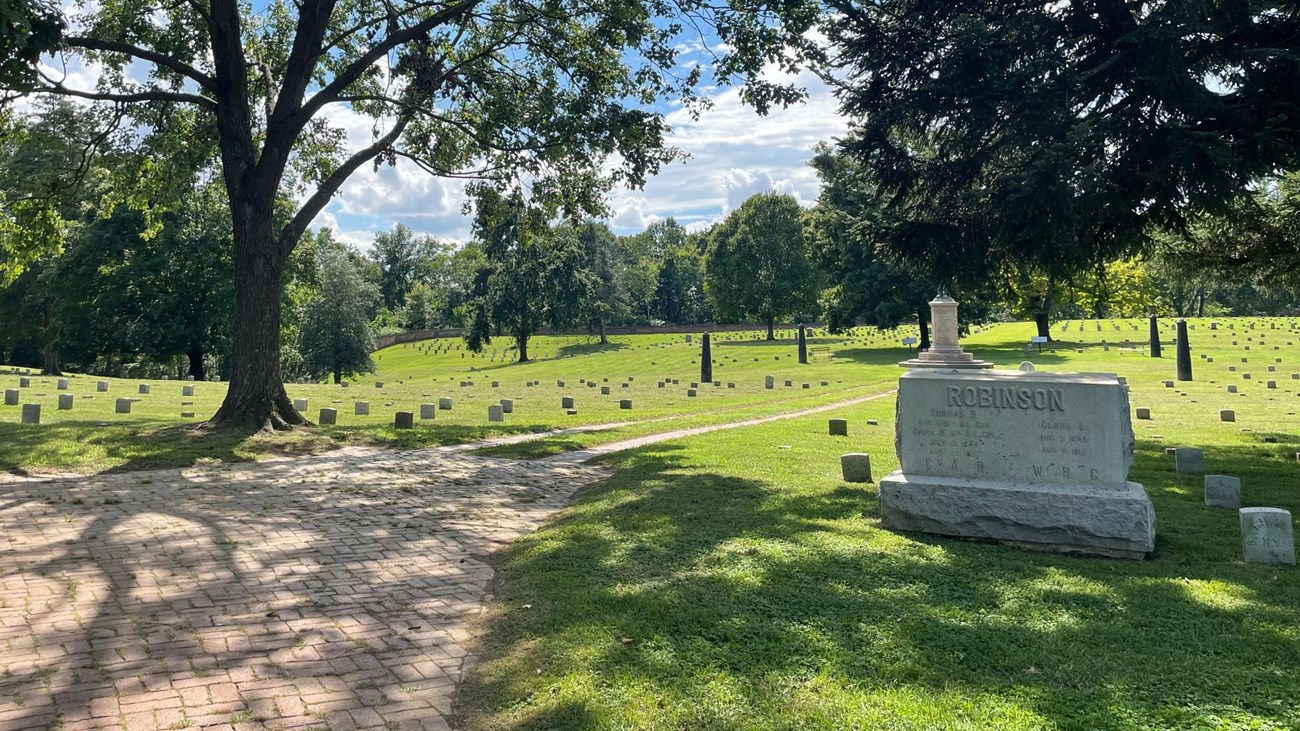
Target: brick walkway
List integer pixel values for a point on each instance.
(326, 592)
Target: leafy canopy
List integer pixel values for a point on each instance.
(1051, 134)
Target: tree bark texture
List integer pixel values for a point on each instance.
(923, 322)
(256, 399)
(770, 335)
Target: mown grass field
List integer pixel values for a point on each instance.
(92, 438)
(733, 581)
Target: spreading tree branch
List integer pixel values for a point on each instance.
(294, 230)
(161, 59)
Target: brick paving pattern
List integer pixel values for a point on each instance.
(326, 592)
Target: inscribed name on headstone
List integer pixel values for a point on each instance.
(1223, 491)
(1018, 426)
(1267, 535)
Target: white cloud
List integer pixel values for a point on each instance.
(733, 153)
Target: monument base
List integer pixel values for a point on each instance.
(945, 356)
(1086, 519)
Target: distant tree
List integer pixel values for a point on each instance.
(758, 264)
(398, 254)
(603, 264)
(531, 277)
(668, 281)
(336, 339)
(1123, 288)
(424, 307)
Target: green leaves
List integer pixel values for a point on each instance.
(1051, 134)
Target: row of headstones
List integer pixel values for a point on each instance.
(1267, 533)
(406, 419)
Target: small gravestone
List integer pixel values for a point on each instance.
(379, 384)
(1227, 415)
(11, 397)
(495, 414)
(427, 411)
(62, 384)
(1026, 367)
(65, 401)
(101, 386)
(559, 384)
(122, 406)
(328, 417)
(31, 413)
(690, 393)
(189, 391)
(1267, 535)
(300, 404)
(625, 404)
(838, 427)
(1189, 461)
(361, 408)
(444, 403)
(1232, 389)
(769, 382)
(566, 402)
(508, 405)
(24, 382)
(1223, 491)
(403, 420)
(604, 390)
(789, 384)
(1143, 413)
(1270, 384)
(187, 414)
(144, 388)
(731, 385)
(1168, 384)
(856, 467)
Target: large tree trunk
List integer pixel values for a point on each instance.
(770, 335)
(1044, 325)
(256, 399)
(196, 363)
(51, 367)
(601, 323)
(338, 378)
(521, 340)
(923, 321)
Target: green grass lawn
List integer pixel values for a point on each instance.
(92, 438)
(733, 581)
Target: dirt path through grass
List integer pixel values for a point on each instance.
(583, 455)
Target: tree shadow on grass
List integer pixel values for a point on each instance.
(719, 601)
(592, 348)
(135, 446)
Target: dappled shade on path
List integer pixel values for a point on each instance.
(325, 592)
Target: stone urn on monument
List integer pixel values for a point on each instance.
(944, 351)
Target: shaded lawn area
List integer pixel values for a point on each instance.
(723, 582)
